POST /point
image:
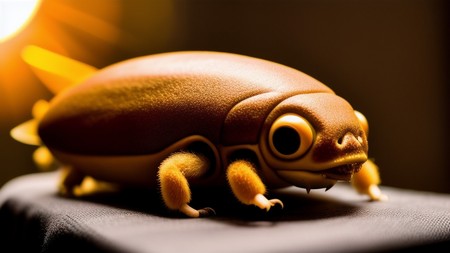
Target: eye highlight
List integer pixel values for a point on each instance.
(290, 136)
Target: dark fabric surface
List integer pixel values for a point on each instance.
(33, 218)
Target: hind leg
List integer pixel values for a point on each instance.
(174, 174)
(70, 179)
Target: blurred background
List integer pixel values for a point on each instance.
(388, 58)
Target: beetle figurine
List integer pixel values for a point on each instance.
(175, 120)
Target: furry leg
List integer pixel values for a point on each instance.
(174, 173)
(366, 181)
(70, 179)
(247, 186)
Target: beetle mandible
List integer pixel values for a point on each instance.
(174, 120)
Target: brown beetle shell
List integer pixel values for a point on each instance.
(143, 105)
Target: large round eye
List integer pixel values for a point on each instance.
(363, 122)
(290, 136)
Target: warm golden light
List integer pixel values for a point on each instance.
(56, 71)
(15, 15)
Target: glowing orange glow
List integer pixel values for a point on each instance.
(39, 109)
(15, 15)
(57, 72)
(85, 32)
(96, 27)
(26, 133)
(43, 158)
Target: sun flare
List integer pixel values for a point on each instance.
(86, 32)
(15, 15)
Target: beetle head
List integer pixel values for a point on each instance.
(314, 140)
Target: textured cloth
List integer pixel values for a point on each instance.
(33, 218)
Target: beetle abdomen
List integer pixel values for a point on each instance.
(143, 105)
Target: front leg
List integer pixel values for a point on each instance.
(366, 181)
(247, 186)
(173, 175)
